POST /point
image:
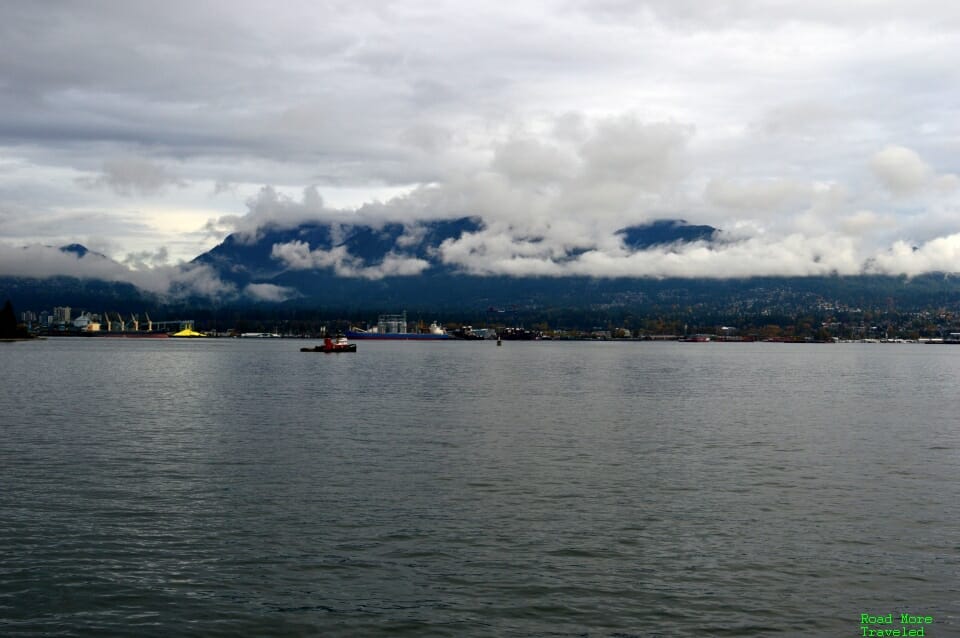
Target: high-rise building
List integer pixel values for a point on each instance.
(61, 314)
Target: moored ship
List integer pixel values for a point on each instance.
(394, 328)
(115, 327)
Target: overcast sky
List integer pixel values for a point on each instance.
(820, 136)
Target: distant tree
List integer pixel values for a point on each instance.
(770, 331)
(8, 321)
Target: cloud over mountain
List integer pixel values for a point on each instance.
(37, 261)
(297, 255)
(817, 136)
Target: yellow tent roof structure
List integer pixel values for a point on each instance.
(188, 332)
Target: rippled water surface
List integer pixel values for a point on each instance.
(240, 487)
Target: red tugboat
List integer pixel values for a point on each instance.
(329, 345)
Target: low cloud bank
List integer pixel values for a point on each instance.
(269, 292)
(499, 251)
(297, 255)
(184, 280)
(792, 256)
(495, 251)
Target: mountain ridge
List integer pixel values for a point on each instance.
(252, 273)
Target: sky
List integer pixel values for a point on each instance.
(819, 136)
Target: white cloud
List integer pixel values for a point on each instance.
(937, 255)
(900, 170)
(297, 255)
(37, 261)
(790, 256)
(625, 149)
(530, 160)
(863, 222)
(793, 255)
(394, 265)
(269, 292)
(147, 259)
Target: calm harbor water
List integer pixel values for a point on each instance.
(240, 487)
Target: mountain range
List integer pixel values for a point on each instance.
(354, 268)
(358, 269)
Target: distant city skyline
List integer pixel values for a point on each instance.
(819, 137)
